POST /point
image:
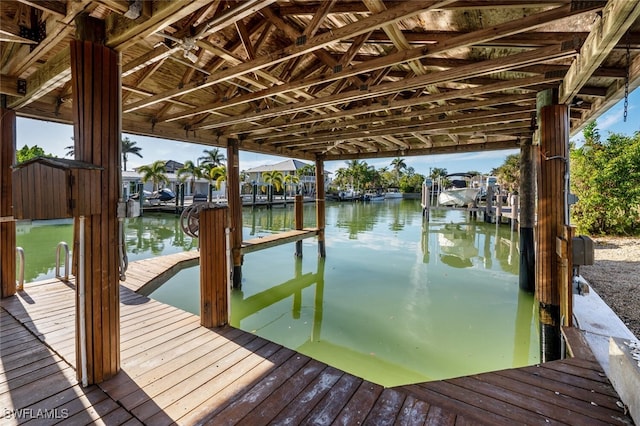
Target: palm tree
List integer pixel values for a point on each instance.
(437, 172)
(304, 171)
(212, 156)
(218, 175)
(129, 147)
(155, 173)
(398, 165)
(190, 170)
(273, 178)
(291, 180)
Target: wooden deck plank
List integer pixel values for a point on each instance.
(165, 400)
(572, 392)
(413, 412)
(279, 399)
(438, 416)
(239, 408)
(386, 409)
(69, 402)
(570, 379)
(124, 384)
(208, 396)
(306, 400)
(333, 402)
(210, 409)
(500, 390)
(358, 407)
(261, 243)
(569, 408)
(174, 371)
(470, 411)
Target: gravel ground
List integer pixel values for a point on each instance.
(615, 276)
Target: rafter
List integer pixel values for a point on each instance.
(401, 11)
(615, 20)
(490, 66)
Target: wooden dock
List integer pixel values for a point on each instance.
(176, 372)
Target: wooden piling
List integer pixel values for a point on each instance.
(7, 223)
(214, 291)
(320, 206)
(553, 160)
(488, 209)
(298, 221)
(235, 210)
(96, 96)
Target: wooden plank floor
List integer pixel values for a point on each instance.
(176, 372)
(261, 243)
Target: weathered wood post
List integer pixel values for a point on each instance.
(499, 208)
(553, 161)
(529, 152)
(297, 294)
(7, 223)
(318, 302)
(214, 277)
(488, 208)
(95, 76)
(320, 207)
(235, 209)
(298, 221)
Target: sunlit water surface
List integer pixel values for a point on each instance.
(397, 300)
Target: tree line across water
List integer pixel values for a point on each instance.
(604, 175)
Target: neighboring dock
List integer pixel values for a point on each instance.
(175, 371)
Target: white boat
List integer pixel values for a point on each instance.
(392, 193)
(457, 246)
(373, 197)
(348, 195)
(459, 192)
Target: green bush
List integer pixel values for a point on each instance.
(606, 178)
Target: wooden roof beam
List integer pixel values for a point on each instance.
(55, 73)
(399, 12)
(294, 35)
(310, 7)
(403, 119)
(617, 17)
(508, 28)
(9, 85)
(450, 149)
(24, 58)
(485, 67)
(456, 94)
(423, 126)
(123, 32)
(57, 8)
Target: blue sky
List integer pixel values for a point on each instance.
(53, 137)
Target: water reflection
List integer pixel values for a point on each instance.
(242, 307)
(470, 243)
(39, 240)
(386, 304)
(149, 235)
(156, 234)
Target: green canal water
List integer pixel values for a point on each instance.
(397, 300)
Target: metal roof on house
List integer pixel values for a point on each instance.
(289, 165)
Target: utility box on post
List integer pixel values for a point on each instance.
(49, 188)
(582, 250)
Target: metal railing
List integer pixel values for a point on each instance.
(63, 245)
(20, 254)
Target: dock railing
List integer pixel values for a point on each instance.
(65, 246)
